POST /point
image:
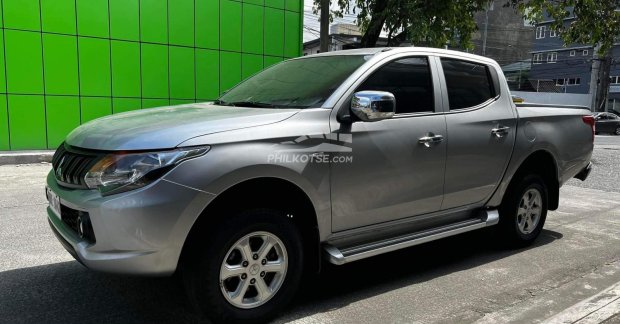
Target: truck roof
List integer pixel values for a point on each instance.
(408, 49)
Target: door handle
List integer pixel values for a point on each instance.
(500, 131)
(430, 139)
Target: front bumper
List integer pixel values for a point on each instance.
(137, 232)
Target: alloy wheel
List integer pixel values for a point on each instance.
(253, 270)
(529, 211)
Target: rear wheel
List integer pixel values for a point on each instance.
(248, 271)
(617, 131)
(523, 211)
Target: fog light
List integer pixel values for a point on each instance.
(84, 228)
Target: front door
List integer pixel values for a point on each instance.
(393, 175)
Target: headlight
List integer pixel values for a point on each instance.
(120, 172)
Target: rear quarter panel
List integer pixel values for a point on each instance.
(559, 131)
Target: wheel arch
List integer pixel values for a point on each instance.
(261, 192)
(543, 163)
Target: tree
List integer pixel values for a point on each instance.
(596, 23)
(428, 22)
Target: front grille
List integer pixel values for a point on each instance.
(70, 166)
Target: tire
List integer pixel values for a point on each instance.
(617, 131)
(514, 227)
(205, 267)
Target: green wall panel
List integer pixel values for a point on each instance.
(66, 62)
(151, 103)
(92, 18)
(181, 22)
(256, 2)
(2, 65)
(4, 125)
(155, 71)
(61, 64)
(230, 66)
(174, 102)
(94, 107)
(250, 65)
(154, 21)
(126, 104)
(125, 69)
(58, 16)
(230, 26)
(125, 19)
(63, 115)
(274, 32)
(24, 62)
(293, 5)
(271, 60)
(94, 66)
(207, 17)
(22, 14)
(182, 73)
(292, 43)
(27, 122)
(275, 4)
(207, 74)
(252, 33)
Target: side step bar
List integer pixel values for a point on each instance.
(337, 256)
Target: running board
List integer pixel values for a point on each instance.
(354, 253)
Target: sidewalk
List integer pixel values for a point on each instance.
(25, 157)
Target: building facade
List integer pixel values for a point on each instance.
(508, 35)
(567, 68)
(65, 62)
(341, 37)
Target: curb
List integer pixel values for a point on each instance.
(25, 157)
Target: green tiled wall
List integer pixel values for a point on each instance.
(66, 62)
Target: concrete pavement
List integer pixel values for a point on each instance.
(462, 279)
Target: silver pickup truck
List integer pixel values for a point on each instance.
(326, 158)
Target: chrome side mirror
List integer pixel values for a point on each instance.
(372, 106)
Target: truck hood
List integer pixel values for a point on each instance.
(167, 127)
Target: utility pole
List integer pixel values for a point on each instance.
(486, 28)
(594, 78)
(324, 26)
(599, 80)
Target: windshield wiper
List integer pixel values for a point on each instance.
(252, 104)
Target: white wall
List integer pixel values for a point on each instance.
(577, 99)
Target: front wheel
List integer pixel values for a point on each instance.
(617, 131)
(523, 211)
(249, 270)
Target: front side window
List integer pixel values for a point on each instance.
(409, 80)
(301, 83)
(469, 84)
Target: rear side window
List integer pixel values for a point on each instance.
(469, 84)
(409, 80)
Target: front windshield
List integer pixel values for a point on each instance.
(301, 83)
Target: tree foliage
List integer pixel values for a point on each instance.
(597, 21)
(428, 22)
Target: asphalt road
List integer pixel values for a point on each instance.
(462, 279)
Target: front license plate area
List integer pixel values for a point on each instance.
(54, 202)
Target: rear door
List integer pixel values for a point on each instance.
(481, 126)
